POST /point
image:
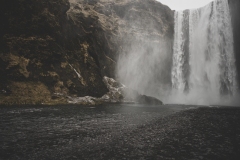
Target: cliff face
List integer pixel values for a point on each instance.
(53, 48)
(137, 35)
(234, 6)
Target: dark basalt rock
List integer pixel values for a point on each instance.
(234, 6)
(143, 99)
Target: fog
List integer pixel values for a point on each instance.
(185, 4)
(146, 67)
(200, 71)
(196, 66)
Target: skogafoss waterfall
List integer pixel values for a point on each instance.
(204, 69)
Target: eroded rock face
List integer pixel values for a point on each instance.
(69, 46)
(37, 46)
(115, 24)
(234, 6)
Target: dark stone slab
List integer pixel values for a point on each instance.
(143, 99)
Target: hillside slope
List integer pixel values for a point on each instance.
(51, 49)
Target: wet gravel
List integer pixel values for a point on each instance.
(120, 132)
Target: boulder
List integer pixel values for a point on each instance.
(143, 99)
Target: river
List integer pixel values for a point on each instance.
(126, 131)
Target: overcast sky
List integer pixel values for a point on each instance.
(184, 4)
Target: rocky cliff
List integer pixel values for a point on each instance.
(51, 49)
(234, 6)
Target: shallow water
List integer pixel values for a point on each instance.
(93, 132)
(34, 131)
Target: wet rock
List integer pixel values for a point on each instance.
(143, 99)
(115, 93)
(234, 6)
(118, 93)
(87, 100)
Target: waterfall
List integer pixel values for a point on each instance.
(204, 68)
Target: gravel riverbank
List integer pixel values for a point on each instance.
(120, 132)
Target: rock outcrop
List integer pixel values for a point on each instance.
(52, 49)
(118, 93)
(234, 6)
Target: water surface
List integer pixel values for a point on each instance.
(116, 131)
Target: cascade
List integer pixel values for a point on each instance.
(203, 55)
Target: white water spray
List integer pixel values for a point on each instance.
(204, 70)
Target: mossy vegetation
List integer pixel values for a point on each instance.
(25, 93)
